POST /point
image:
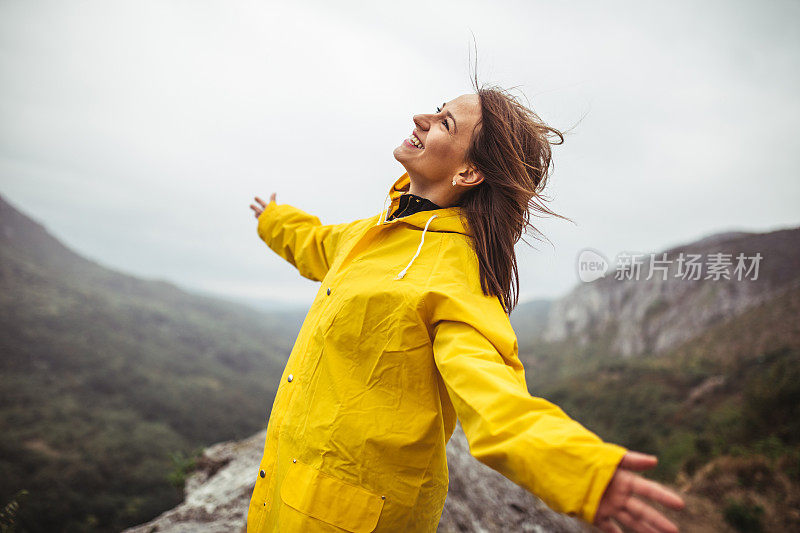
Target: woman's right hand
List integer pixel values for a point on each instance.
(259, 210)
(620, 501)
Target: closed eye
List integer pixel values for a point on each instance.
(446, 124)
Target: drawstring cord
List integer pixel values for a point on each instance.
(422, 240)
(383, 213)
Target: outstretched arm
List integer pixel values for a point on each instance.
(298, 237)
(620, 502)
(528, 439)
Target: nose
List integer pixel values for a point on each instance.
(422, 121)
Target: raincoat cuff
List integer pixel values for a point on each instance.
(604, 472)
(264, 217)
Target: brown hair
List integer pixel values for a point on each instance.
(510, 147)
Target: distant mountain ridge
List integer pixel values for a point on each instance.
(640, 317)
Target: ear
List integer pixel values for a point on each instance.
(470, 176)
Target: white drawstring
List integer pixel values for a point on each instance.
(422, 240)
(383, 213)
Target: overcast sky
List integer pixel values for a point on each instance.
(139, 132)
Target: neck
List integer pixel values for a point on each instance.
(436, 193)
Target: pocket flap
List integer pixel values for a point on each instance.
(329, 499)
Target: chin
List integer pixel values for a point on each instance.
(402, 160)
(398, 155)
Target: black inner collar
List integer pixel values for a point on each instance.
(410, 204)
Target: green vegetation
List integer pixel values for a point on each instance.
(744, 517)
(110, 385)
(8, 515)
(735, 390)
(182, 465)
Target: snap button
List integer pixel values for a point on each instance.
(329, 291)
(294, 460)
(289, 378)
(262, 474)
(383, 497)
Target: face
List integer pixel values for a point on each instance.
(435, 152)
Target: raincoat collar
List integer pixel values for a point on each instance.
(445, 219)
(411, 203)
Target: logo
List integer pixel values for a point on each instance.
(592, 265)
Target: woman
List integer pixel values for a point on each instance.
(410, 331)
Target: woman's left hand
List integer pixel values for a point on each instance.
(258, 210)
(621, 504)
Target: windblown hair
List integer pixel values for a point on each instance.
(510, 147)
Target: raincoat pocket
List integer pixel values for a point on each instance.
(331, 500)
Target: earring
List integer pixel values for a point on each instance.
(454, 182)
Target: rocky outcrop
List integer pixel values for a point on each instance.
(479, 500)
(217, 493)
(639, 315)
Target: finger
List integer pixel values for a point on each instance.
(635, 524)
(256, 209)
(657, 492)
(608, 526)
(272, 197)
(638, 461)
(643, 512)
(260, 201)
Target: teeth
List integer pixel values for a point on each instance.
(416, 142)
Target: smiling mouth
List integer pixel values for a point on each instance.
(414, 141)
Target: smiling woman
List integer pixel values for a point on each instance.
(410, 331)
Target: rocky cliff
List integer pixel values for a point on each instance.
(639, 315)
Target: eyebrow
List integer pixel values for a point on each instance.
(449, 114)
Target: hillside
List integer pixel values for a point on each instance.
(722, 412)
(529, 319)
(110, 383)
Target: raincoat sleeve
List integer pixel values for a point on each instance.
(529, 440)
(300, 238)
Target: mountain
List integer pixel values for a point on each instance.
(530, 317)
(636, 316)
(112, 384)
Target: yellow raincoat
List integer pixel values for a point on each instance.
(398, 342)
